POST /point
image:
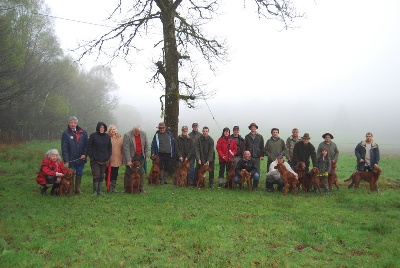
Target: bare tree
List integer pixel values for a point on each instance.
(183, 35)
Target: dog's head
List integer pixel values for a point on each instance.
(301, 166)
(135, 164)
(314, 171)
(204, 169)
(231, 165)
(377, 171)
(186, 164)
(155, 159)
(280, 167)
(69, 174)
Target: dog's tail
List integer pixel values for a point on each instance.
(349, 179)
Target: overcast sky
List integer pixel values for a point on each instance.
(337, 72)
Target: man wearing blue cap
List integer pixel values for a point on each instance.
(273, 175)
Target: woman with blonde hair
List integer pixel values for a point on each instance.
(116, 156)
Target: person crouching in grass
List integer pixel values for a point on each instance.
(51, 171)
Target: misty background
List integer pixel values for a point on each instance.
(335, 72)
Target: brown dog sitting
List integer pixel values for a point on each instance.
(314, 179)
(245, 176)
(300, 169)
(201, 176)
(180, 178)
(289, 179)
(371, 177)
(133, 186)
(332, 177)
(66, 183)
(230, 176)
(154, 176)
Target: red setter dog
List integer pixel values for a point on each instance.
(332, 177)
(66, 183)
(245, 177)
(133, 186)
(180, 178)
(312, 179)
(300, 169)
(201, 176)
(289, 179)
(371, 177)
(154, 176)
(230, 176)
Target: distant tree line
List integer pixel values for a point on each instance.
(40, 87)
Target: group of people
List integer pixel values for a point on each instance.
(108, 150)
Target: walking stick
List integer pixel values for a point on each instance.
(108, 177)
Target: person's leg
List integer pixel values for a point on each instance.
(211, 175)
(256, 179)
(221, 176)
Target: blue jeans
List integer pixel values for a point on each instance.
(78, 169)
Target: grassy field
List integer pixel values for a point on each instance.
(173, 227)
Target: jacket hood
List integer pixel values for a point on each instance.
(98, 127)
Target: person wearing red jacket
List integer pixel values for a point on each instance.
(226, 148)
(51, 171)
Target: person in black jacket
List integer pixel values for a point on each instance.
(303, 151)
(74, 142)
(99, 151)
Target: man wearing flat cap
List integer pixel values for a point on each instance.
(254, 143)
(330, 146)
(303, 151)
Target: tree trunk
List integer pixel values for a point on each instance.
(171, 60)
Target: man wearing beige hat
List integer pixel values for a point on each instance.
(163, 145)
(303, 151)
(184, 146)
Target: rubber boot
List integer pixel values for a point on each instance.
(326, 191)
(44, 189)
(95, 187)
(78, 185)
(113, 186)
(255, 185)
(220, 182)
(54, 188)
(99, 188)
(211, 182)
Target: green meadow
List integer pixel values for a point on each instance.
(188, 227)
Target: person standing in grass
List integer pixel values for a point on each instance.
(99, 151)
(226, 148)
(194, 134)
(330, 146)
(303, 151)
(51, 171)
(290, 142)
(324, 167)
(205, 154)
(184, 147)
(116, 156)
(254, 143)
(135, 146)
(74, 142)
(163, 145)
(367, 153)
(239, 144)
(274, 146)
